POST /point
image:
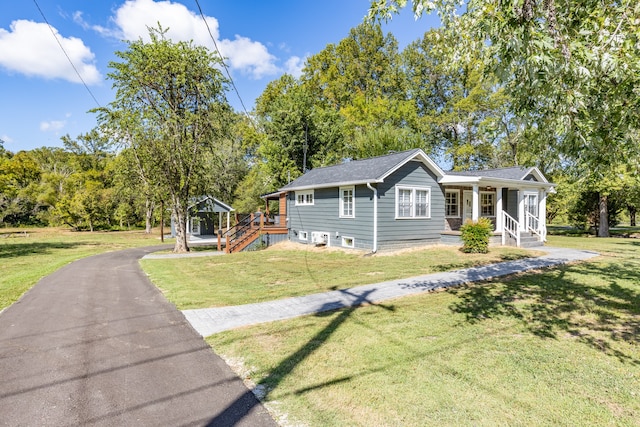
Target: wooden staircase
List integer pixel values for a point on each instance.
(247, 231)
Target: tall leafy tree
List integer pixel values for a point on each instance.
(456, 100)
(575, 64)
(361, 79)
(19, 174)
(170, 109)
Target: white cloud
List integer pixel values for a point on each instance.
(135, 16)
(52, 125)
(30, 48)
(249, 56)
(294, 66)
(6, 138)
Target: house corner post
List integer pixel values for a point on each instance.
(375, 217)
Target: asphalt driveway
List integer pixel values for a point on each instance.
(97, 344)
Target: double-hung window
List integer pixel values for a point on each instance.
(347, 202)
(413, 202)
(304, 198)
(452, 203)
(487, 203)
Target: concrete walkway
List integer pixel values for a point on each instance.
(209, 321)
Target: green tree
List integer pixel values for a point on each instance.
(575, 66)
(457, 100)
(170, 110)
(19, 177)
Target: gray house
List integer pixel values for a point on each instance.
(405, 199)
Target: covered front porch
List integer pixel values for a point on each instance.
(516, 207)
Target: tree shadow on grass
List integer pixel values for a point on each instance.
(247, 402)
(596, 303)
(16, 250)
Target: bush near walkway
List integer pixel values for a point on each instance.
(475, 236)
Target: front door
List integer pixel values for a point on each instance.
(531, 206)
(467, 205)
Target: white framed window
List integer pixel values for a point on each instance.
(487, 203)
(452, 203)
(304, 198)
(348, 242)
(303, 235)
(347, 202)
(413, 202)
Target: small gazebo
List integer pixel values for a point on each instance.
(202, 217)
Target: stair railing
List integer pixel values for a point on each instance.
(511, 227)
(533, 225)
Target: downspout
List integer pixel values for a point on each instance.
(375, 217)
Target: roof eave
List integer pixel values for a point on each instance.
(496, 182)
(331, 185)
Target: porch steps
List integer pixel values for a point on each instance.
(527, 240)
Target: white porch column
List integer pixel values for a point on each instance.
(476, 204)
(522, 220)
(499, 224)
(228, 221)
(220, 221)
(542, 212)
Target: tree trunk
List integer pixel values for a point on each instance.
(632, 216)
(162, 221)
(603, 227)
(180, 215)
(149, 207)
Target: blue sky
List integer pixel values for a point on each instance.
(43, 99)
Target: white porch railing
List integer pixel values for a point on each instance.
(510, 226)
(533, 225)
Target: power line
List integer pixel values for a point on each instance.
(224, 64)
(67, 55)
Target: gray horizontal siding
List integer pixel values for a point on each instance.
(324, 215)
(512, 203)
(391, 229)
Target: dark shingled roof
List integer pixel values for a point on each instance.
(516, 173)
(355, 171)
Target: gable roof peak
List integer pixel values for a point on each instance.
(361, 171)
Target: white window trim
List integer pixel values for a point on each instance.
(345, 244)
(457, 191)
(495, 196)
(413, 190)
(303, 235)
(353, 201)
(304, 193)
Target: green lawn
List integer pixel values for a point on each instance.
(27, 255)
(249, 277)
(558, 347)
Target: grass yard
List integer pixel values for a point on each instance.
(558, 347)
(248, 277)
(27, 255)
